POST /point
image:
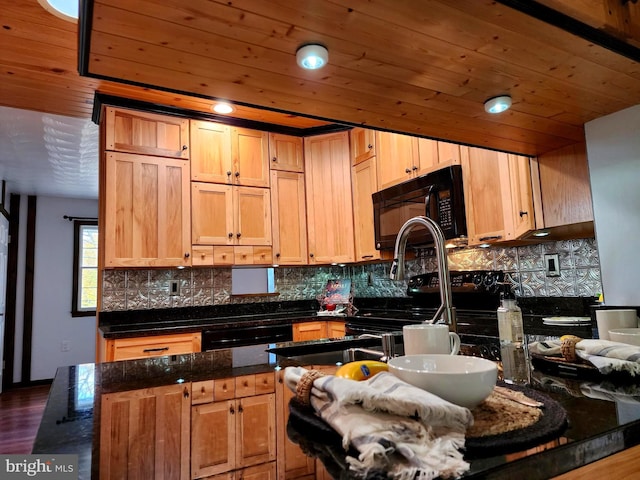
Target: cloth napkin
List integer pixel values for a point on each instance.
(394, 426)
(605, 355)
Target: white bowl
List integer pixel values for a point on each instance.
(625, 335)
(459, 379)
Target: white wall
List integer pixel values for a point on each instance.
(613, 151)
(52, 290)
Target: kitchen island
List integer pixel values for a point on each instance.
(599, 423)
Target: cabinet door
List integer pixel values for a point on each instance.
(210, 152)
(397, 158)
(522, 211)
(213, 438)
(428, 159)
(250, 157)
(487, 195)
(145, 207)
(146, 133)
(285, 152)
(364, 185)
(309, 331)
(448, 153)
(145, 433)
(329, 201)
(289, 218)
(212, 216)
(363, 144)
(255, 430)
(335, 329)
(253, 215)
(292, 462)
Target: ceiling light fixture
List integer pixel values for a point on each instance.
(497, 104)
(312, 56)
(541, 233)
(65, 9)
(223, 108)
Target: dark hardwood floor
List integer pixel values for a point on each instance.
(20, 414)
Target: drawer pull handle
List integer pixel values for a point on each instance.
(159, 349)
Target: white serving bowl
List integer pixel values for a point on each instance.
(625, 335)
(460, 379)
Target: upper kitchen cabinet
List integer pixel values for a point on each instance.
(398, 158)
(286, 152)
(229, 155)
(487, 195)
(448, 153)
(289, 218)
(522, 210)
(144, 207)
(146, 133)
(363, 144)
(250, 157)
(364, 183)
(329, 201)
(210, 152)
(562, 190)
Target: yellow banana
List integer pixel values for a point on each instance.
(361, 370)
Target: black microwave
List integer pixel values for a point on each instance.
(438, 195)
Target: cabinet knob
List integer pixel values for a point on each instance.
(240, 408)
(203, 255)
(369, 146)
(230, 234)
(311, 255)
(187, 255)
(238, 235)
(237, 174)
(407, 170)
(228, 173)
(522, 214)
(184, 147)
(274, 159)
(277, 255)
(232, 410)
(185, 392)
(414, 168)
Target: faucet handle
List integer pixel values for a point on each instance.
(388, 345)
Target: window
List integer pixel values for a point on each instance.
(85, 268)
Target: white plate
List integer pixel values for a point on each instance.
(566, 321)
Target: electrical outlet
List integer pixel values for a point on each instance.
(552, 265)
(174, 288)
(65, 346)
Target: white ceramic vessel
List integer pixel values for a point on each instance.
(625, 335)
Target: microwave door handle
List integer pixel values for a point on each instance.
(427, 201)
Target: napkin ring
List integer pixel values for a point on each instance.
(568, 347)
(304, 385)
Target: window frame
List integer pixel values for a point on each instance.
(77, 242)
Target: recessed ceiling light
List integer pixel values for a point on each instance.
(65, 9)
(497, 104)
(312, 57)
(223, 108)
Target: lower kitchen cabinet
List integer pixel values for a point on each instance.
(152, 346)
(265, 471)
(231, 434)
(145, 433)
(317, 329)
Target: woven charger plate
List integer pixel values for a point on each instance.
(515, 434)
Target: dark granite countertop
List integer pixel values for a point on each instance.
(600, 424)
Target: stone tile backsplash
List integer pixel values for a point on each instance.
(524, 266)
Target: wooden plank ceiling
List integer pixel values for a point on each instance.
(422, 67)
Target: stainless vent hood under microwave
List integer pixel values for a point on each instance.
(438, 195)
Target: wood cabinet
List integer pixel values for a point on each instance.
(562, 189)
(289, 218)
(144, 207)
(329, 201)
(315, 330)
(487, 195)
(145, 433)
(286, 152)
(364, 184)
(363, 144)
(146, 133)
(236, 429)
(498, 195)
(228, 215)
(448, 153)
(398, 158)
(151, 346)
(624, 464)
(229, 155)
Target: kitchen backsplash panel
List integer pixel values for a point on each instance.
(524, 266)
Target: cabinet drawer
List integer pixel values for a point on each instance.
(223, 255)
(202, 255)
(248, 255)
(142, 347)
